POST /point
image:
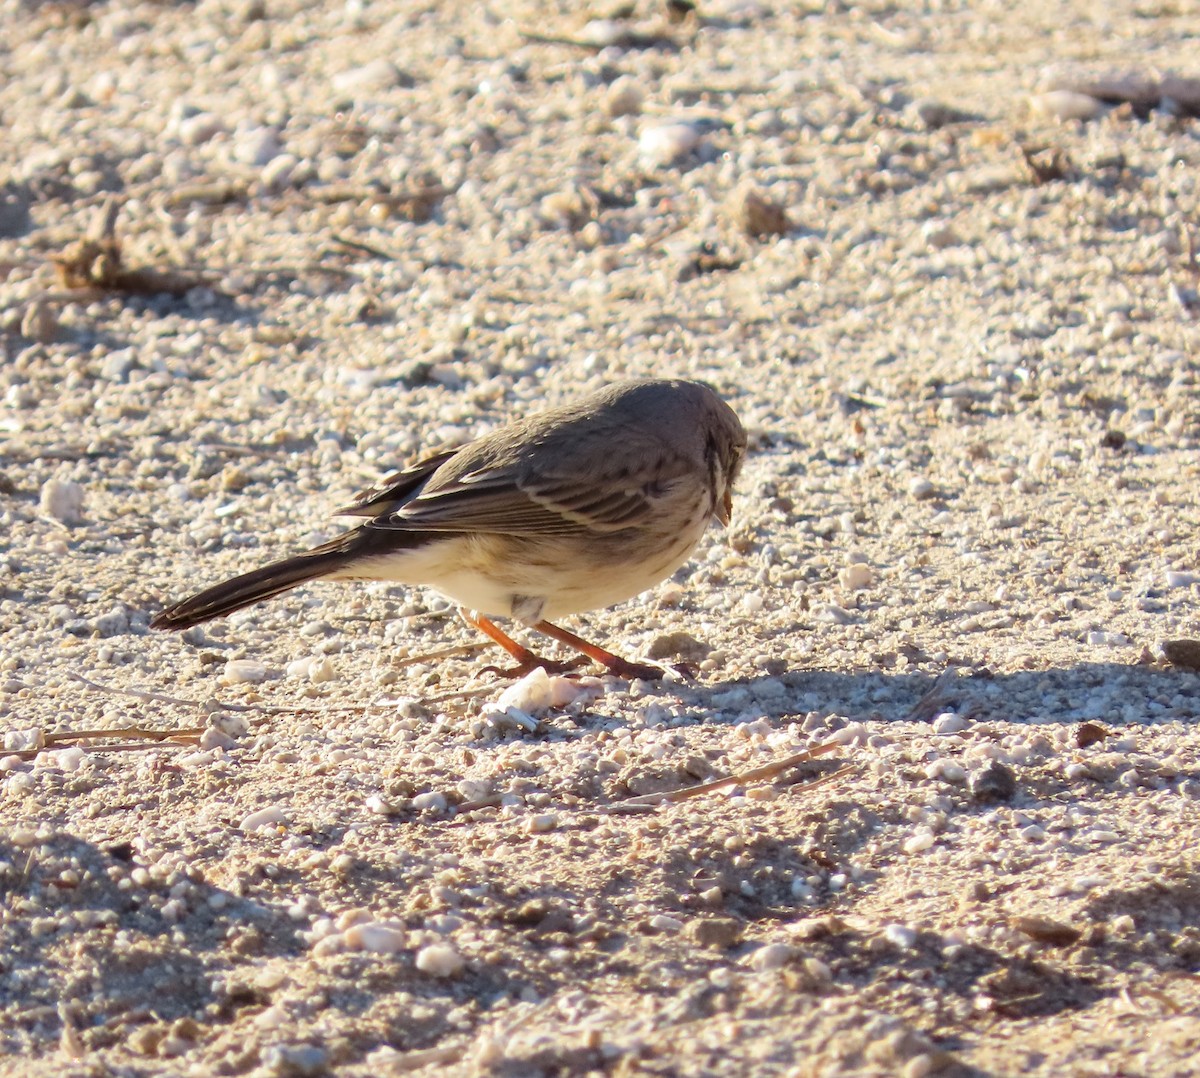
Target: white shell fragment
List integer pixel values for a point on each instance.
(263, 819)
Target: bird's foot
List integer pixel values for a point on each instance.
(619, 667)
(533, 662)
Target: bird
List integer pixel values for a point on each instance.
(575, 508)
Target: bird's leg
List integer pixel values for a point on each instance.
(526, 659)
(614, 664)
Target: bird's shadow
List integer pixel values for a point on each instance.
(1106, 692)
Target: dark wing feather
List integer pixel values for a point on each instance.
(393, 490)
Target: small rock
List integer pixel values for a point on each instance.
(772, 956)
(678, 645)
(922, 489)
(430, 801)
(900, 936)
(440, 960)
(623, 97)
(371, 77)
(1066, 105)
(995, 782)
(40, 322)
(295, 1060)
(62, 499)
(1184, 652)
(199, 128)
(949, 723)
(1090, 733)
(757, 215)
(667, 144)
(244, 672)
(857, 576)
(714, 931)
(1047, 930)
(376, 937)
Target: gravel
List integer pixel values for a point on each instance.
(946, 275)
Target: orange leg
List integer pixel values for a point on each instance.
(526, 659)
(614, 664)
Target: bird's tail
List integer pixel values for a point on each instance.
(252, 587)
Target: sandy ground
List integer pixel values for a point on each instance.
(964, 342)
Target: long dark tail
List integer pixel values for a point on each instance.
(259, 584)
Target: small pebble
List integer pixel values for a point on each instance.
(900, 936)
(376, 937)
(995, 782)
(440, 960)
(431, 801)
(666, 144)
(244, 672)
(623, 97)
(1066, 105)
(263, 819)
(949, 723)
(62, 499)
(856, 577)
(772, 956)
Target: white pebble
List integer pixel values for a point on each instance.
(440, 960)
(263, 818)
(299, 667)
(856, 577)
(624, 97)
(430, 801)
(900, 936)
(24, 740)
(321, 670)
(1175, 579)
(1066, 105)
(62, 499)
(665, 144)
(374, 75)
(921, 488)
(662, 922)
(244, 672)
(949, 723)
(277, 173)
(375, 937)
(69, 759)
(772, 956)
(919, 843)
(546, 821)
(212, 738)
(752, 602)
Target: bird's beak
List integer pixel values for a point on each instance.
(724, 511)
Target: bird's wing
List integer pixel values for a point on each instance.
(508, 500)
(394, 490)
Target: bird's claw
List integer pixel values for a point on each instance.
(536, 662)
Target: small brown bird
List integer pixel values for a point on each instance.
(580, 507)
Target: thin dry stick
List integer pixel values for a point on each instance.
(757, 774)
(123, 731)
(445, 653)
